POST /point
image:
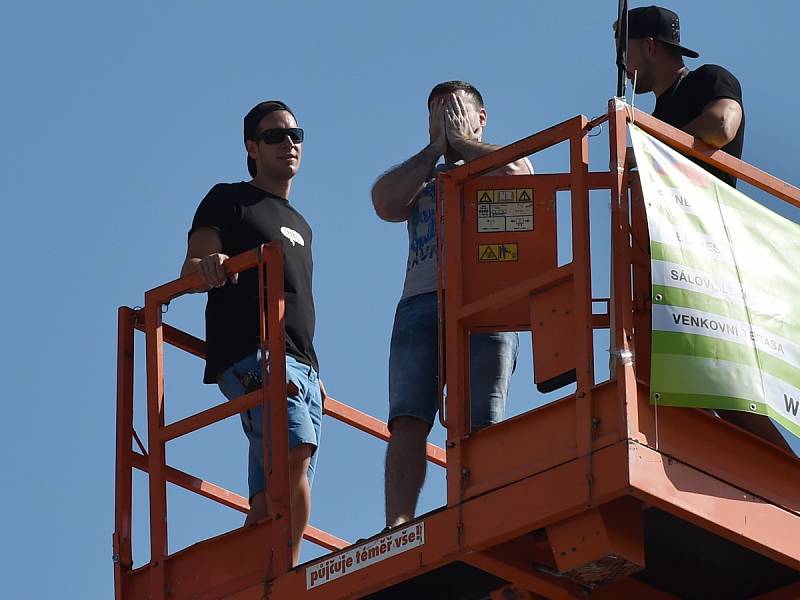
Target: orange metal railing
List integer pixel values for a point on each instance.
(269, 261)
(471, 289)
(543, 467)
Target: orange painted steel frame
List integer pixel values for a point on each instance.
(269, 261)
(520, 487)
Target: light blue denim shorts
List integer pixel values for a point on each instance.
(304, 412)
(414, 365)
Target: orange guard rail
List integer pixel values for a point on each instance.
(524, 496)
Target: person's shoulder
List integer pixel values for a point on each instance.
(227, 191)
(714, 81)
(713, 71)
(217, 209)
(230, 188)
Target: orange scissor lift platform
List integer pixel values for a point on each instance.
(595, 495)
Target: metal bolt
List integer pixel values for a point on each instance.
(659, 298)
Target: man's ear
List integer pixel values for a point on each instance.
(252, 148)
(650, 46)
(482, 118)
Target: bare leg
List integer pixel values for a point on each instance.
(299, 494)
(299, 497)
(405, 468)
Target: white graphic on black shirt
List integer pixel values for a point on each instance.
(293, 236)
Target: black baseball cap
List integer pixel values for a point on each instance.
(658, 23)
(253, 118)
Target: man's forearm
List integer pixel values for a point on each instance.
(394, 192)
(472, 149)
(707, 129)
(189, 267)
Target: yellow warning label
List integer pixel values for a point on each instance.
(487, 252)
(524, 195)
(497, 252)
(518, 195)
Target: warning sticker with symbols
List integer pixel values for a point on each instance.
(505, 210)
(505, 196)
(519, 223)
(486, 196)
(497, 252)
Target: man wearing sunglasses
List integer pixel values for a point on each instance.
(234, 218)
(406, 193)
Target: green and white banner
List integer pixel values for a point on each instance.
(726, 315)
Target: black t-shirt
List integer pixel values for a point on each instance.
(690, 94)
(246, 217)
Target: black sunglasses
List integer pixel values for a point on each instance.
(277, 134)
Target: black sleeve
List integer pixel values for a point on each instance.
(714, 83)
(216, 211)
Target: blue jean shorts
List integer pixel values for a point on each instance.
(304, 412)
(414, 365)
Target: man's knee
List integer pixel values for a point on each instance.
(300, 454)
(258, 509)
(407, 427)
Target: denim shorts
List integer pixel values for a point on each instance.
(304, 412)
(414, 365)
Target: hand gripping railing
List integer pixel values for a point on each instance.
(269, 260)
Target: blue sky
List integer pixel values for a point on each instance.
(118, 117)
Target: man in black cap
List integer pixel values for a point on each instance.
(234, 218)
(706, 102)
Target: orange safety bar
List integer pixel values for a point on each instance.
(553, 499)
(269, 260)
(526, 288)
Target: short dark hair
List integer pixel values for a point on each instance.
(258, 112)
(448, 87)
